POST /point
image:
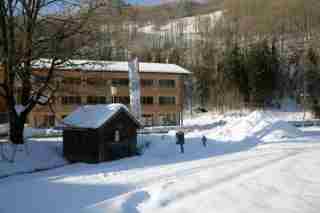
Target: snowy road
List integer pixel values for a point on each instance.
(275, 177)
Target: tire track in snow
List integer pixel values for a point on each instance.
(193, 170)
(240, 174)
(166, 180)
(185, 172)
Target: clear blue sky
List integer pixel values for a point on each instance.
(143, 2)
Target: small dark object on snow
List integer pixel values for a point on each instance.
(204, 141)
(180, 140)
(201, 110)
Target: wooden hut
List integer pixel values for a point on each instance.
(96, 133)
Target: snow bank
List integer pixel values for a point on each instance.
(203, 119)
(240, 133)
(38, 154)
(259, 125)
(34, 132)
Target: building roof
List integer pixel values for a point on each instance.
(94, 116)
(112, 66)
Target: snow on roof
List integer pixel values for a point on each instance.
(122, 66)
(92, 116)
(188, 25)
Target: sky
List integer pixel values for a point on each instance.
(153, 2)
(144, 2)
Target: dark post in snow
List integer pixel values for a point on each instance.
(180, 140)
(204, 141)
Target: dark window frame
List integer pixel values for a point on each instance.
(145, 83)
(70, 100)
(96, 100)
(120, 82)
(167, 83)
(147, 100)
(167, 100)
(121, 99)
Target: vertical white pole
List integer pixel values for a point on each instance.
(134, 81)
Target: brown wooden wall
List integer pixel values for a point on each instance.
(88, 145)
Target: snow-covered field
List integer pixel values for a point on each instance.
(256, 163)
(36, 155)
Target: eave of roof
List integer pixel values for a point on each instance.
(112, 66)
(95, 116)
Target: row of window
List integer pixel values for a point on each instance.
(147, 120)
(69, 100)
(147, 100)
(145, 83)
(122, 82)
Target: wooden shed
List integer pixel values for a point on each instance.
(96, 133)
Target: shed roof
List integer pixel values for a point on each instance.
(94, 116)
(111, 66)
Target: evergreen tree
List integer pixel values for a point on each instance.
(261, 73)
(234, 66)
(313, 80)
(184, 8)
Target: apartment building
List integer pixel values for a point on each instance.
(99, 82)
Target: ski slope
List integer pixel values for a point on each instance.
(265, 172)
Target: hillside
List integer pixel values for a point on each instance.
(188, 25)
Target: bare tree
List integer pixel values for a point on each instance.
(31, 30)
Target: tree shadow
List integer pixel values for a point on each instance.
(163, 151)
(39, 195)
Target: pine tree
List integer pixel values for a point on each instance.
(313, 80)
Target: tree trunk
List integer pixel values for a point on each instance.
(16, 128)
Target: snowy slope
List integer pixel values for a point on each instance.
(187, 25)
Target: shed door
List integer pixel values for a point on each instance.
(119, 149)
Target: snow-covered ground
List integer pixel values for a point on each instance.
(254, 163)
(35, 155)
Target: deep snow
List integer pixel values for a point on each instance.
(256, 163)
(35, 155)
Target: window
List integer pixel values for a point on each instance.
(74, 81)
(167, 83)
(168, 119)
(116, 136)
(96, 100)
(121, 99)
(147, 83)
(147, 119)
(96, 82)
(147, 100)
(167, 100)
(68, 100)
(48, 121)
(121, 82)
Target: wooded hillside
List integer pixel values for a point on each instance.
(256, 53)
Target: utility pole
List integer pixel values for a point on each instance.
(134, 84)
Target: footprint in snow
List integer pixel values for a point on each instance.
(133, 202)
